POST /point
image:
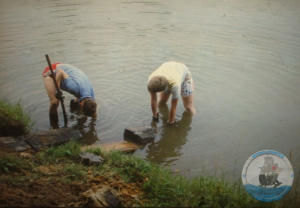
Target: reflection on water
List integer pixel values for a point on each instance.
(172, 138)
(87, 128)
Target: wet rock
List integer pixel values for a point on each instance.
(13, 144)
(52, 137)
(91, 159)
(139, 135)
(122, 146)
(102, 197)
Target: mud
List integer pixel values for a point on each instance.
(51, 192)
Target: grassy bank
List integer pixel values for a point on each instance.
(58, 173)
(13, 120)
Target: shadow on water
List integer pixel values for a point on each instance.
(172, 138)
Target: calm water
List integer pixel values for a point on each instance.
(244, 57)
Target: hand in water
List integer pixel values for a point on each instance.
(155, 118)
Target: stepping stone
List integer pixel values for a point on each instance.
(13, 144)
(52, 137)
(139, 135)
(122, 146)
(103, 196)
(91, 159)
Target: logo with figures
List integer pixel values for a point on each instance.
(267, 175)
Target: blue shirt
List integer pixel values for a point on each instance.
(77, 83)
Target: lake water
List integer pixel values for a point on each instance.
(244, 57)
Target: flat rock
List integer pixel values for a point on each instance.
(13, 144)
(91, 159)
(52, 137)
(139, 135)
(103, 196)
(122, 146)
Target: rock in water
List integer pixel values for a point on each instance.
(139, 135)
(91, 159)
(52, 137)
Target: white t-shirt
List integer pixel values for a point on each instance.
(175, 73)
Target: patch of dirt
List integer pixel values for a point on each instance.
(40, 193)
(50, 192)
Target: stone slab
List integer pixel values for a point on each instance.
(139, 135)
(103, 196)
(52, 137)
(13, 144)
(91, 159)
(122, 146)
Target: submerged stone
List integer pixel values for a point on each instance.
(139, 135)
(13, 144)
(91, 159)
(52, 137)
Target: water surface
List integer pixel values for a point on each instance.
(244, 57)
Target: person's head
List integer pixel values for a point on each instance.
(89, 107)
(157, 84)
(74, 106)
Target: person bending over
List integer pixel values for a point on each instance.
(73, 80)
(171, 78)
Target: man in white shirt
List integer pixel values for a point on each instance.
(171, 78)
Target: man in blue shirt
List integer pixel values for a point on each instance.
(73, 80)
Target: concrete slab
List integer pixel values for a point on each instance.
(91, 159)
(139, 135)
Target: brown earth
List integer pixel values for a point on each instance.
(44, 186)
(49, 192)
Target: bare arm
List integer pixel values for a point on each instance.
(153, 104)
(173, 111)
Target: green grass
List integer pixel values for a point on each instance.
(13, 120)
(68, 151)
(164, 189)
(75, 171)
(11, 163)
(161, 188)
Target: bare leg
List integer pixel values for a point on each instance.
(188, 104)
(51, 91)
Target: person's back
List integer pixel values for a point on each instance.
(77, 83)
(174, 72)
(171, 78)
(73, 80)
